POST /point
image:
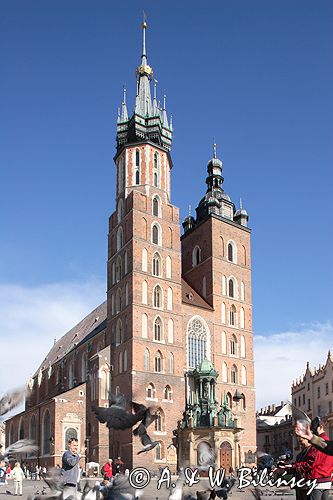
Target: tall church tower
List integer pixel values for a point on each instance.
(144, 274)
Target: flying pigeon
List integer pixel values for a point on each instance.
(11, 399)
(147, 419)
(146, 441)
(120, 414)
(22, 446)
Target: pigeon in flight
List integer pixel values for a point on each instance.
(120, 413)
(22, 446)
(146, 441)
(11, 399)
(147, 419)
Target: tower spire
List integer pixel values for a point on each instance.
(149, 120)
(144, 73)
(164, 114)
(124, 114)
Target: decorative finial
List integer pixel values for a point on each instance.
(329, 353)
(124, 94)
(155, 85)
(171, 123)
(241, 203)
(164, 101)
(214, 150)
(144, 22)
(189, 210)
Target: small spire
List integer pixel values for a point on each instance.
(171, 124)
(124, 114)
(189, 210)
(214, 150)
(155, 108)
(164, 114)
(118, 118)
(241, 203)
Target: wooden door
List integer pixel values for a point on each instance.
(226, 456)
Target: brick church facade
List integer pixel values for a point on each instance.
(173, 302)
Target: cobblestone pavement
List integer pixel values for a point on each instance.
(31, 488)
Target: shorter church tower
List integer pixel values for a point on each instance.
(216, 266)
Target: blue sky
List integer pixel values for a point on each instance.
(256, 76)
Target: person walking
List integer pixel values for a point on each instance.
(18, 476)
(107, 469)
(70, 468)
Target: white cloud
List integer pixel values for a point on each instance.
(281, 358)
(30, 319)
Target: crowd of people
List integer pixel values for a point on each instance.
(314, 462)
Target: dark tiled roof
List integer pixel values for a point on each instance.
(191, 297)
(94, 322)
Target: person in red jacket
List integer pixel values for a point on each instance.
(107, 470)
(302, 467)
(322, 470)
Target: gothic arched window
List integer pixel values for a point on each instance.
(105, 384)
(197, 340)
(158, 362)
(46, 433)
(155, 161)
(157, 264)
(84, 367)
(119, 332)
(119, 269)
(156, 206)
(231, 288)
(71, 375)
(151, 391)
(196, 256)
(232, 316)
(232, 252)
(155, 234)
(233, 375)
(233, 346)
(21, 429)
(32, 428)
(118, 300)
(158, 297)
(167, 393)
(146, 360)
(158, 452)
(171, 363)
(158, 333)
(137, 158)
(159, 422)
(120, 238)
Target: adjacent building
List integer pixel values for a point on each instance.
(313, 392)
(275, 429)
